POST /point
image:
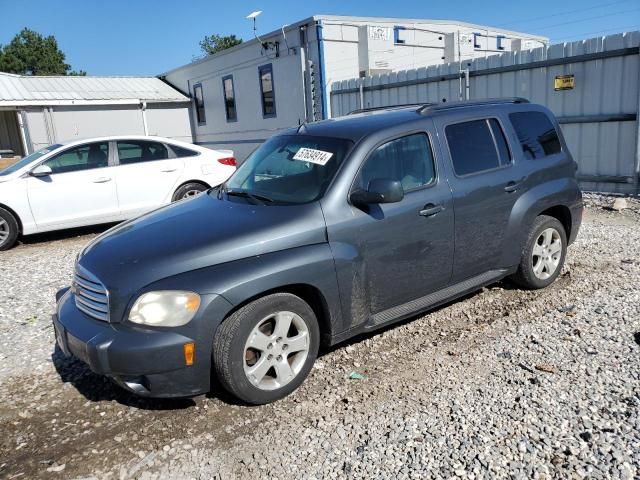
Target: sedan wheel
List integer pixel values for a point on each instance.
(8, 229)
(191, 193)
(4, 230)
(188, 190)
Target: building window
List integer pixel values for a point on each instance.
(396, 35)
(476, 43)
(499, 39)
(197, 93)
(267, 91)
(229, 98)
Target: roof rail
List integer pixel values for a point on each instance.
(389, 107)
(470, 103)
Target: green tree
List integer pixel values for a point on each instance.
(215, 43)
(30, 53)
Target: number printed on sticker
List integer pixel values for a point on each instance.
(319, 157)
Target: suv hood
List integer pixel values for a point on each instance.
(194, 234)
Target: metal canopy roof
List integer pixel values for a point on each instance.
(22, 90)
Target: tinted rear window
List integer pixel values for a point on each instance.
(536, 133)
(183, 152)
(477, 146)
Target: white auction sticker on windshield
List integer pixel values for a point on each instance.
(319, 157)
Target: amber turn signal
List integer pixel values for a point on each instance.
(189, 353)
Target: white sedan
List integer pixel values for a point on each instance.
(103, 180)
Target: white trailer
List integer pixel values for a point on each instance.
(242, 95)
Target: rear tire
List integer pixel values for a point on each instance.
(188, 190)
(543, 255)
(8, 230)
(265, 350)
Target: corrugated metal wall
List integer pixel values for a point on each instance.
(599, 117)
(9, 132)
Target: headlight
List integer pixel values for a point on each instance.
(169, 308)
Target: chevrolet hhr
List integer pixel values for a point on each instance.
(326, 231)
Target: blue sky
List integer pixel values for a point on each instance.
(148, 37)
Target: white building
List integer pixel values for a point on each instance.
(244, 94)
(39, 111)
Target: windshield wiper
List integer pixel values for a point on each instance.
(252, 196)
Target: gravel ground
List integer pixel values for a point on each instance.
(504, 383)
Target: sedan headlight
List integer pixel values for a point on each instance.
(169, 308)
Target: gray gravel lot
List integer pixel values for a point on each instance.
(504, 383)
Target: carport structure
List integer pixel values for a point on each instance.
(39, 111)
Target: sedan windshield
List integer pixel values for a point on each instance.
(28, 159)
(289, 169)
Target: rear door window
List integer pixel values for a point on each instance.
(133, 151)
(536, 133)
(477, 146)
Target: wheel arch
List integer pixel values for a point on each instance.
(182, 184)
(15, 215)
(551, 198)
(562, 213)
(310, 294)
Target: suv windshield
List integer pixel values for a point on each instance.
(28, 159)
(289, 169)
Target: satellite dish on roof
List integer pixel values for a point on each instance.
(253, 16)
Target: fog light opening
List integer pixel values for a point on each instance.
(189, 353)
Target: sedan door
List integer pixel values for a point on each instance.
(146, 176)
(80, 190)
(390, 254)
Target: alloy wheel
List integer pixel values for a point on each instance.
(4, 230)
(547, 252)
(191, 193)
(276, 350)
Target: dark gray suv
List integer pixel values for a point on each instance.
(326, 231)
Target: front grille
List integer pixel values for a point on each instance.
(91, 296)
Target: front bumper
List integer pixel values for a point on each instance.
(144, 361)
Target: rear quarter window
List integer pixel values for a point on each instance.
(183, 152)
(538, 137)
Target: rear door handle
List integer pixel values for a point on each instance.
(512, 187)
(102, 180)
(168, 170)
(430, 209)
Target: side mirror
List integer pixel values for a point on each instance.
(381, 190)
(41, 171)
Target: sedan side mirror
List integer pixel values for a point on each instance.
(381, 190)
(41, 171)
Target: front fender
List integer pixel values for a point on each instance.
(241, 280)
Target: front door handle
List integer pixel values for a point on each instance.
(102, 180)
(430, 209)
(512, 187)
(168, 170)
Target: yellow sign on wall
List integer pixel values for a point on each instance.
(564, 82)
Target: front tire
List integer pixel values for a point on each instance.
(8, 230)
(265, 350)
(543, 255)
(188, 190)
